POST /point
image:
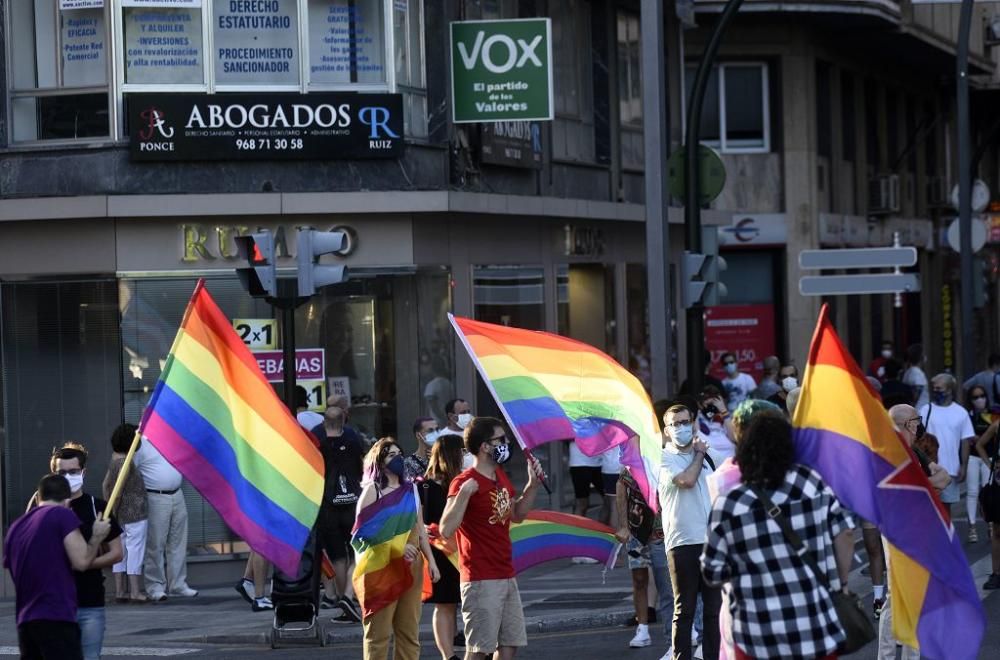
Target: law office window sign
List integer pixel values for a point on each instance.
(501, 70)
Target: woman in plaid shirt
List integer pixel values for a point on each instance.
(779, 608)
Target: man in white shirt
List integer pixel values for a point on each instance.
(737, 384)
(951, 425)
(685, 506)
(167, 527)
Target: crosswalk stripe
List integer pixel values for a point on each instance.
(121, 650)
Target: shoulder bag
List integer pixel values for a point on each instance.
(989, 496)
(857, 624)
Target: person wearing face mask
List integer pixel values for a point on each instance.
(877, 367)
(481, 506)
(426, 433)
(42, 549)
(788, 379)
(685, 506)
(736, 384)
(459, 414)
(770, 383)
(70, 461)
(984, 425)
(915, 377)
(390, 602)
(951, 425)
(988, 379)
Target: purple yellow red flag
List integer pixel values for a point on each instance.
(555, 388)
(843, 432)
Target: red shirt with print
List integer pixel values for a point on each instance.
(483, 538)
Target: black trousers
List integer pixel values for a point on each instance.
(49, 640)
(687, 582)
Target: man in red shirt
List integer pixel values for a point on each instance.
(481, 506)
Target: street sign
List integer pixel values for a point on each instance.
(846, 285)
(501, 70)
(858, 258)
(711, 174)
(979, 233)
(980, 196)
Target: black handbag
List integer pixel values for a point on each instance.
(855, 621)
(989, 496)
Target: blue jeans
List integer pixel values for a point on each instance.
(91, 620)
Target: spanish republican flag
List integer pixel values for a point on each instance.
(843, 432)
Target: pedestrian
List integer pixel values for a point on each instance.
(343, 458)
(307, 419)
(585, 473)
(70, 461)
(131, 515)
(459, 414)
(792, 400)
(253, 584)
(445, 465)
(41, 550)
(915, 377)
(781, 607)
(877, 367)
(788, 378)
(737, 385)
(951, 425)
(988, 449)
(770, 382)
(399, 618)
(611, 467)
(714, 424)
(165, 562)
(685, 506)
(481, 506)
(978, 469)
(894, 391)
(988, 379)
(641, 531)
(425, 433)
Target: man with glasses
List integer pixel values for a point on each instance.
(951, 425)
(737, 384)
(685, 505)
(481, 506)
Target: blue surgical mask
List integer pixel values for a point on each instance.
(731, 368)
(431, 437)
(940, 397)
(683, 435)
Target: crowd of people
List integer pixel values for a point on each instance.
(714, 565)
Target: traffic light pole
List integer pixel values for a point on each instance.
(287, 302)
(692, 204)
(965, 189)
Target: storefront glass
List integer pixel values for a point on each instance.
(586, 294)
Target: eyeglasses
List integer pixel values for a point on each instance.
(911, 420)
(679, 423)
(499, 440)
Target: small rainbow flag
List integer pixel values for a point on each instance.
(547, 535)
(379, 536)
(217, 420)
(844, 433)
(554, 388)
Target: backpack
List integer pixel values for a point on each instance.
(639, 517)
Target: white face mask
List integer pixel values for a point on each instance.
(887, 354)
(789, 383)
(75, 482)
(463, 420)
(468, 460)
(431, 437)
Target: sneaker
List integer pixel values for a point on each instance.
(344, 617)
(261, 604)
(350, 609)
(973, 534)
(585, 560)
(245, 589)
(459, 641)
(641, 639)
(877, 605)
(157, 596)
(185, 591)
(327, 603)
(993, 582)
(669, 654)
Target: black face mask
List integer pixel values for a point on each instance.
(921, 430)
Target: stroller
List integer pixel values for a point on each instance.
(296, 598)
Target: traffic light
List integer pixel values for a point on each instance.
(312, 245)
(259, 277)
(701, 272)
(694, 283)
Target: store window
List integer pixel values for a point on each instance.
(586, 296)
(510, 295)
(253, 48)
(736, 111)
(573, 128)
(408, 46)
(630, 91)
(58, 72)
(347, 43)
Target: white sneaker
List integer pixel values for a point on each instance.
(698, 652)
(669, 654)
(185, 591)
(641, 639)
(585, 560)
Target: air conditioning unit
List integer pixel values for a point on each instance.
(883, 194)
(937, 191)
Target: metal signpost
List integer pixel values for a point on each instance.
(894, 257)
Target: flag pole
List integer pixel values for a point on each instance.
(122, 476)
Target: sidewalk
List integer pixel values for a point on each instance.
(557, 596)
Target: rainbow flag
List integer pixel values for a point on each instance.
(379, 536)
(216, 419)
(844, 433)
(547, 535)
(554, 388)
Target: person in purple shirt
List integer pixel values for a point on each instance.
(41, 550)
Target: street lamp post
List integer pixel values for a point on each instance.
(965, 188)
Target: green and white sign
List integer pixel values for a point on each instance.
(501, 70)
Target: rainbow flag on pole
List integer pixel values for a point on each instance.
(554, 388)
(547, 535)
(379, 536)
(844, 433)
(216, 419)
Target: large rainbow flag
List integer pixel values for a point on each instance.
(382, 573)
(547, 535)
(216, 419)
(554, 388)
(844, 433)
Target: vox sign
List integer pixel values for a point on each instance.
(501, 70)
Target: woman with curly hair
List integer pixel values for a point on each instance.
(390, 595)
(780, 607)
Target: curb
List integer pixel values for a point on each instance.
(346, 635)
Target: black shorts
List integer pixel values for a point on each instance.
(585, 477)
(41, 640)
(333, 525)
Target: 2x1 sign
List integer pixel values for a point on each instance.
(320, 126)
(501, 70)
